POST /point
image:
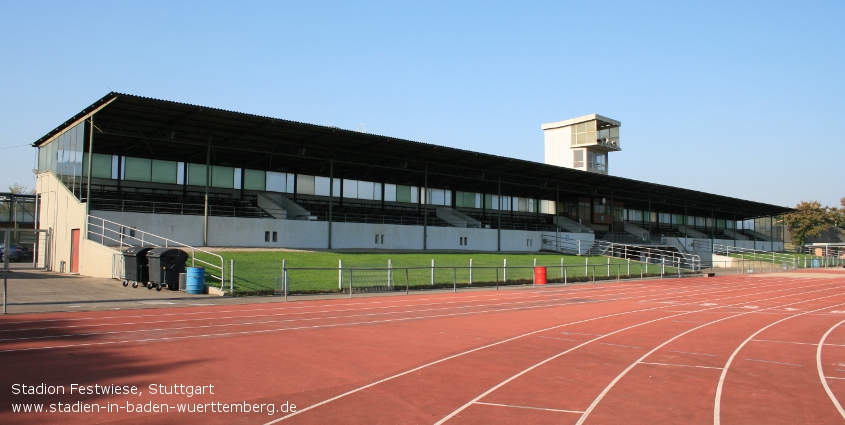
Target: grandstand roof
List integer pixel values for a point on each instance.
(151, 128)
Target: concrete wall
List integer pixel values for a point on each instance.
(231, 231)
(558, 143)
(693, 245)
(97, 259)
(61, 212)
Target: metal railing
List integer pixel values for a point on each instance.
(741, 266)
(298, 280)
(157, 207)
(642, 253)
(754, 254)
(827, 250)
(124, 236)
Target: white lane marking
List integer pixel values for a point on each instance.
(534, 304)
(697, 354)
(369, 302)
(484, 394)
(583, 417)
(717, 406)
(607, 389)
(681, 365)
(330, 325)
(833, 377)
(706, 290)
(772, 361)
(443, 360)
(784, 342)
(821, 372)
(562, 339)
(528, 407)
(307, 319)
(214, 315)
(620, 345)
(581, 333)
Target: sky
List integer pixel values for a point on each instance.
(738, 98)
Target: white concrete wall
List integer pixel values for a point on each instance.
(694, 244)
(231, 231)
(97, 259)
(558, 142)
(61, 212)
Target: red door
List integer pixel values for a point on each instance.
(74, 251)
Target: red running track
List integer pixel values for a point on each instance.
(737, 349)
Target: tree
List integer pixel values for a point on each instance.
(809, 219)
(20, 189)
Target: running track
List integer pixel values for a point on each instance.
(726, 350)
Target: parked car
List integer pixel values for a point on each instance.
(16, 253)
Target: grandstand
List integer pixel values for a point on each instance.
(209, 177)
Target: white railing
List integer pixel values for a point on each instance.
(754, 254)
(674, 242)
(642, 253)
(111, 233)
(826, 250)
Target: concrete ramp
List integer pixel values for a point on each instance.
(280, 207)
(571, 226)
(456, 218)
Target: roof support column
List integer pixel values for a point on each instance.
(88, 171)
(712, 229)
(772, 232)
(686, 236)
(499, 216)
(425, 206)
(295, 185)
(205, 203)
(331, 199)
(184, 178)
(557, 214)
(648, 219)
(612, 216)
(754, 223)
(735, 229)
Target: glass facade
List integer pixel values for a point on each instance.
(593, 133)
(597, 162)
(64, 157)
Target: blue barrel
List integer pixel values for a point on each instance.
(195, 280)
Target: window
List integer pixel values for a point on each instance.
(597, 162)
(266, 236)
(275, 236)
(578, 158)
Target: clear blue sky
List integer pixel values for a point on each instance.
(737, 98)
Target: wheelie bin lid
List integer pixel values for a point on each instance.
(136, 251)
(167, 252)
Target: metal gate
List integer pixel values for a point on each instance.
(23, 249)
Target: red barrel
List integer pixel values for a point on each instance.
(539, 275)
